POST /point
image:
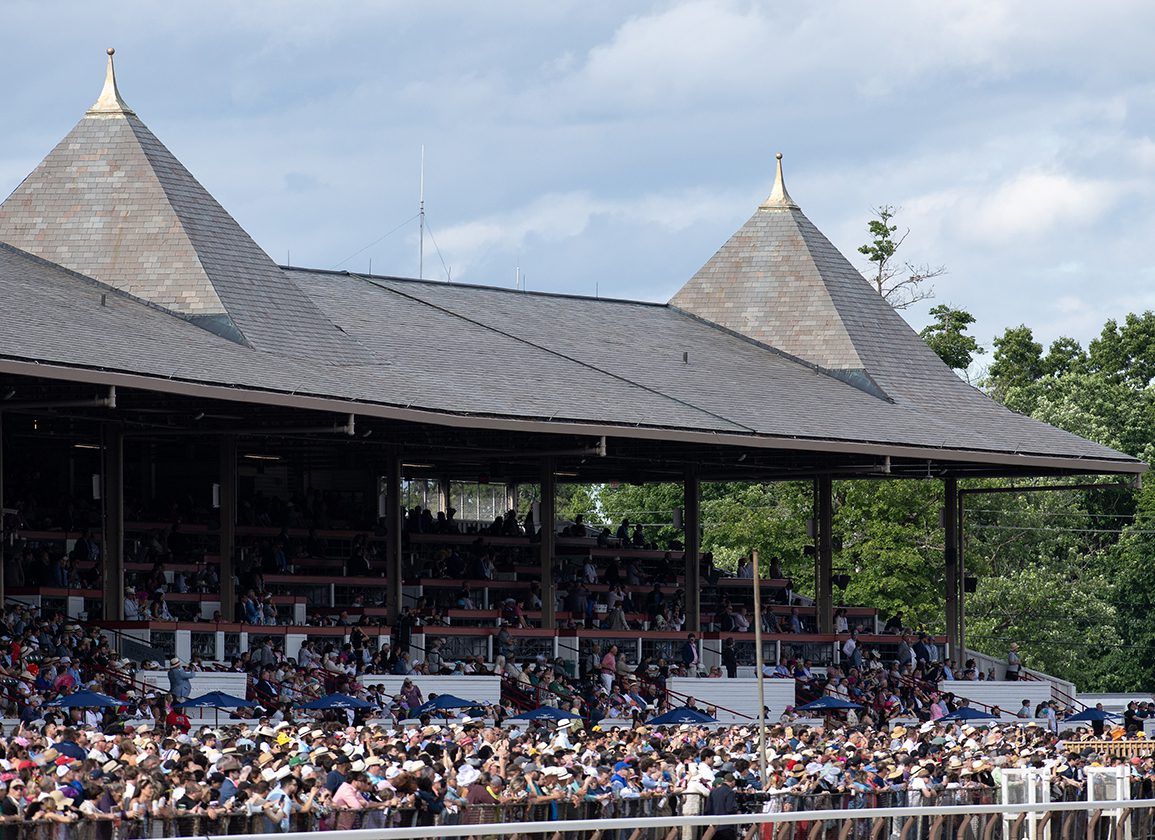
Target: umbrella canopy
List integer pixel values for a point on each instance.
(445, 702)
(218, 700)
(337, 701)
(1090, 715)
(546, 713)
(683, 714)
(966, 713)
(85, 700)
(826, 703)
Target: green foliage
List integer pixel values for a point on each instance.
(947, 337)
(1132, 660)
(1018, 361)
(1126, 354)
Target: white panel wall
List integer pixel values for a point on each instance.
(482, 689)
(739, 695)
(202, 683)
(1008, 696)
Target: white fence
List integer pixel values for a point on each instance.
(486, 690)
(234, 683)
(738, 695)
(1008, 696)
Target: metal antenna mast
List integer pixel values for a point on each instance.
(421, 215)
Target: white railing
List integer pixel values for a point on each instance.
(1010, 815)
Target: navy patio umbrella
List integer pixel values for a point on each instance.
(826, 703)
(444, 703)
(337, 701)
(86, 700)
(683, 714)
(964, 714)
(546, 713)
(218, 700)
(1090, 716)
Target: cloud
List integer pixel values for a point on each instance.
(556, 217)
(1034, 204)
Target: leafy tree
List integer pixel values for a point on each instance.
(900, 284)
(1065, 355)
(947, 337)
(1126, 353)
(1132, 660)
(1018, 361)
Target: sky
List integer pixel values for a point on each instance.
(611, 147)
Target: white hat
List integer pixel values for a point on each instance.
(467, 775)
(357, 766)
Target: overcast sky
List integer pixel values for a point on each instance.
(614, 146)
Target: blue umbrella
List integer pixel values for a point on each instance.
(1090, 716)
(826, 703)
(444, 702)
(683, 714)
(546, 713)
(86, 700)
(966, 713)
(337, 701)
(218, 700)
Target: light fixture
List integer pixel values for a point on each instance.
(566, 474)
(86, 446)
(253, 456)
(418, 466)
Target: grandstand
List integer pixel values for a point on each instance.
(201, 449)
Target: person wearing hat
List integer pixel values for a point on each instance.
(179, 680)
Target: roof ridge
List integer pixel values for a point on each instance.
(361, 275)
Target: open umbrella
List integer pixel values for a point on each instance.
(1090, 716)
(826, 703)
(444, 703)
(546, 713)
(964, 714)
(683, 714)
(86, 700)
(218, 700)
(337, 701)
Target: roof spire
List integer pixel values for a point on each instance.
(779, 198)
(110, 101)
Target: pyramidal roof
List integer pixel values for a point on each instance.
(780, 282)
(111, 202)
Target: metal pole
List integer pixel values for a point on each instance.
(112, 500)
(691, 525)
(547, 512)
(962, 567)
(3, 534)
(393, 525)
(758, 669)
(824, 553)
(228, 526)
(950, 560)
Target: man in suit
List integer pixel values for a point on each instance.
(690, 653)
(179, 680)
(723, 802)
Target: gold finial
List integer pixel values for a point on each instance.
(110, 101)
(779, 198)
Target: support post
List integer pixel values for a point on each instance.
(112, 502)
(3, 533)
(393, 545)
(691, 522)
(759, 665)
(950, 558)
(824, 552)
(547, 509)
(960, 561)
(228, 526)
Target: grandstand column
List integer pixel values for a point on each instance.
(3, 536)
(824, 552)
(950, 557)
(112, 502)
(393, 544)
(547, 510)
(691, 516)
(228, 526)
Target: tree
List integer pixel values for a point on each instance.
(900, 284)
(1126, 353)
(947, 337)
(1018, 361)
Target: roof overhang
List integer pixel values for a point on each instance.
(1012, 463)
